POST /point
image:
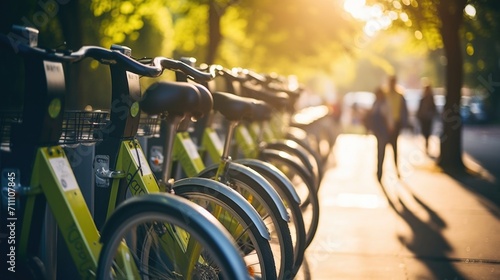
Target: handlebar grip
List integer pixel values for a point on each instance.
(257, 77)
(192, 72)
(227, 73)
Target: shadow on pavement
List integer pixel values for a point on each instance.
(426, 241)
(304, 272)
(479, 181)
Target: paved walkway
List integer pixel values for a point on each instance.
(426, 225)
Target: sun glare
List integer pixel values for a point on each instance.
(352, 6)
(374, 16)
(470, 10)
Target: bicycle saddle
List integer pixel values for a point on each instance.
(278, 100)
(197, 112)
(234, 107)
(174, 98)
(206, 102)
(261, 112)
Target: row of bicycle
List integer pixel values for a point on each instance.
(189, 182)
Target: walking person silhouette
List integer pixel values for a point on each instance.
(387, 117)
(426, 112)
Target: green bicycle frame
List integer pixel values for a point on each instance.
(140, 180)
(53, 177)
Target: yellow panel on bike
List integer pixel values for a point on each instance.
(139, 177)
(186, 152)
(245, 142)
(212, 144)
(54, 174)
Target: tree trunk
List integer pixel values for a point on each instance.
(214, 35)
(451, 139)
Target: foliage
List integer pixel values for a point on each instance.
(482, 46)
(265, 35)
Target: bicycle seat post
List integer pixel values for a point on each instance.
(228, 140)
(170, 123)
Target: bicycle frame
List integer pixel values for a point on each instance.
(53, 177)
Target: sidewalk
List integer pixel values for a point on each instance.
(426, 225)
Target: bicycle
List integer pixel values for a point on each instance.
(286, 157)
(122, 170)
(35, 150)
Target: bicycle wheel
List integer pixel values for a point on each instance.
(236, 215)
(303, 184)
(297, 135)
(296, 149)
(261, 195)
(291, 201)
(160, 236)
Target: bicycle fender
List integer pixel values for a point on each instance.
(292, 146)
(232, 195)
(259, 180)
(269, 154)
(270, 170)
(184, 210)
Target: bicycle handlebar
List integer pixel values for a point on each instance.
(177, 65)
(219, 70)
(100, 54)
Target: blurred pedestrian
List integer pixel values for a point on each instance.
(397, 115)
(376, 121)
(425, 113)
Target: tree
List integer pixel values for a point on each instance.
(451, 14)
(445, 19)
(264, 35)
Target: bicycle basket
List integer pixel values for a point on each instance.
(149, 125)
(77, 127)
(83, 126)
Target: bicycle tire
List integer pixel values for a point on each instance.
(258, 191)
(157, 212)
(301, 179)
(320, 162)
(296, 149)
(292, 202)
(236, 216)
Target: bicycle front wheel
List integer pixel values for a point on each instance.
(161, 236)
(238, 217)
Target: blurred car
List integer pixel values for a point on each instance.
(474, 109)
(473, 105)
